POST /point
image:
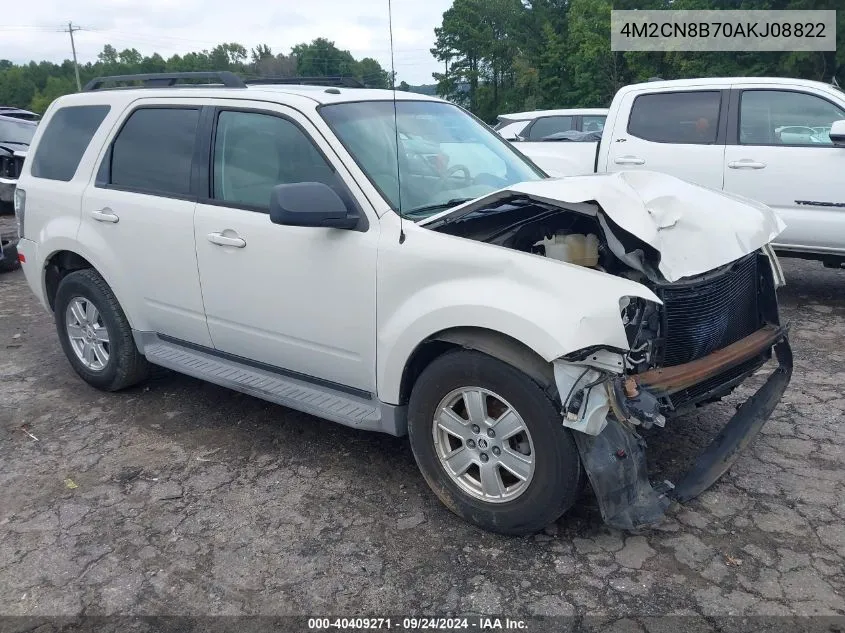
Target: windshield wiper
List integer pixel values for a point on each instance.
(431, 208)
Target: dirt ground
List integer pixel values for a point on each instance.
(179, 497)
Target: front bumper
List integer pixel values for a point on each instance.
(615, 459)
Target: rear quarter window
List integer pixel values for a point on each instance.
(64, 141)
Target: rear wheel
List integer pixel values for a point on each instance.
(491, 445)
(95, 334)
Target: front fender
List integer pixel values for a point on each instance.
(552, 307)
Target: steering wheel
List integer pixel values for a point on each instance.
(454, 169)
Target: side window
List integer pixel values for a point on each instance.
(68, 133)
(254, 152)
(546, 126)
(512, 130)
(690, 118)
(592, 123)
(154, 151)
(773, 117)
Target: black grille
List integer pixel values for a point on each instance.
(702, 316)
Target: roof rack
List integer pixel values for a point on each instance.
(163, 80)
(334, 81)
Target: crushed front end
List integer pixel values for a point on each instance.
(710, 334)
(707, 321)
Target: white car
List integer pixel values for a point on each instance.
(539, 125)
(780, 141)
(275, 240)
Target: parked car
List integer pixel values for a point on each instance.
(18, 113)
(8, 254)
(539, 125)
(15, 136)
(779, 141)
(519, 329)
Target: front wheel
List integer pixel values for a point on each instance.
(491, 445)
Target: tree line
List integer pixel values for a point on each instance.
(498, 56)
(35, 85)
(512, 55)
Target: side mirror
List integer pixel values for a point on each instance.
(837, 133)
(310, 204)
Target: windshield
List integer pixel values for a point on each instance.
(445, 155)
(16, 131)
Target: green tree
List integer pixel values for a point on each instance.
(370, 72)
(55, 88)
(461, 43)
(321, 58)
(596, 72)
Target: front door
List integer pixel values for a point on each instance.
(782, 155)
(300, 299)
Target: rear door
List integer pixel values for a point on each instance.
(677, 132)
(138, 218)
(779, 152)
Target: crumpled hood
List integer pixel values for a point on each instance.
(694, 229)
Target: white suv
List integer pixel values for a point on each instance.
(390, 263)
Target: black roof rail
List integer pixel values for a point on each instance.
(159, 80)
(333, 81)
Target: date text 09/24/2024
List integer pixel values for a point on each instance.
(481, 623)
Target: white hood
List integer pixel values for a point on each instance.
(694, 229)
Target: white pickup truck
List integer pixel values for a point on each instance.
(778, 141)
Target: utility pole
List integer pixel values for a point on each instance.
(71, 29)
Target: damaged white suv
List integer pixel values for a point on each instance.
(398, 267)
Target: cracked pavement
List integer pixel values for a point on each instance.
(179, 497)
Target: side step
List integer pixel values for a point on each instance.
(317, 400)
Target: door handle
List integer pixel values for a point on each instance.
(105, 215)
(746, 163)
(225, 240)
(629, 160)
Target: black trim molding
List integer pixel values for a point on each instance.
(353, 391)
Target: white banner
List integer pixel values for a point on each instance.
(723, 30)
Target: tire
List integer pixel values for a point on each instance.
(557, 475)
(10, 258)
(125, 366)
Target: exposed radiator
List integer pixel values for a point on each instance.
(702, 316)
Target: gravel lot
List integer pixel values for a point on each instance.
(178, 497)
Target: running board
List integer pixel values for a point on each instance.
(314, 399)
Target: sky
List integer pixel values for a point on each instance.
(32, 30)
